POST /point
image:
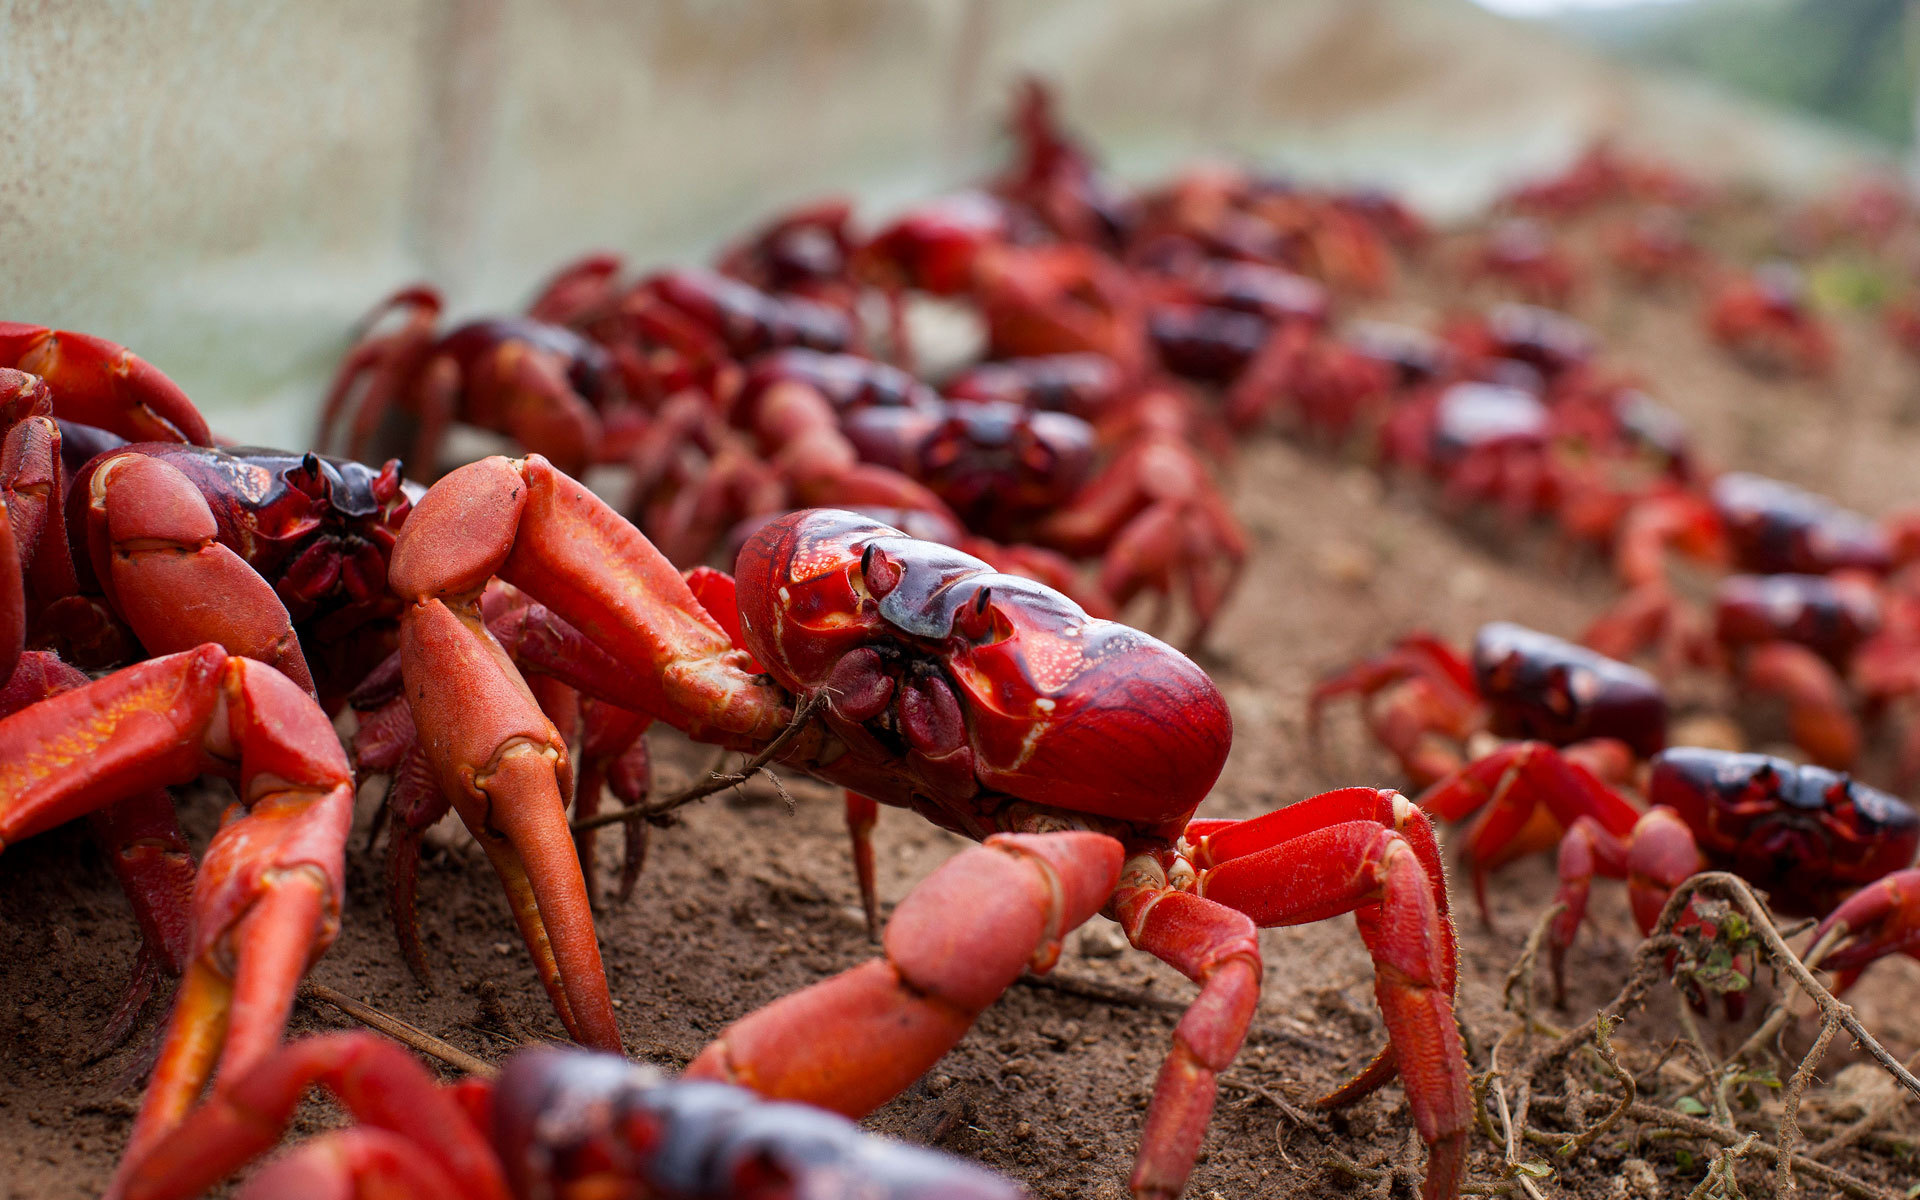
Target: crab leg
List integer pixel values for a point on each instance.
(1369, 853)
(105, 385)
(1655, 854)
(961, 937)
(1818, 712)
(13, 596)
(494, 752)
(388, 359)
(266, 901)
(1512, 783)
(377, 1081)
(613, 758)
(148, 852)
(1218, 949)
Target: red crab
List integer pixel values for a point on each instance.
(1653, 247)
(1795, 637)
(1765, 320)
(1804, 834)
(1558, 347)
(1486, 443)
(1519, 683)
(1057, 180)
(1149, 512)
(990, 704)
(294, 545)
(534, 381)
(559, 1124)
(1521, 254)
(1755, 524)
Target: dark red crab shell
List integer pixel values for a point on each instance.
(1805, 834)
(1540, 686)
(1062, 710)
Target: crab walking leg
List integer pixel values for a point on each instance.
(267, 898)
(1819, 713)
(1362, 865)
(961, 938)
(377, 1081)
(613, 758)
(1215, 842)
(148, 851)
(1655, 854)
(176, 585)
(1511, 783)
(1218, 949)
(13, 597)
(388, 362)
(353, 1163)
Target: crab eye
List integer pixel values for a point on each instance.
(981, 622)
(880, 572)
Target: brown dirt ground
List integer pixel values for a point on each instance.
(743, 902)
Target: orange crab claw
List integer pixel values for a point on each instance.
(376, 1080)
(1880, 919)
(267, 898)
(493, 751)
(159, 546)
(97, 382)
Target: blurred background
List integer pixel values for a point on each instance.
(227, 185)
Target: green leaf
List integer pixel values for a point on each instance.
(1533, 1168)
(1690, 1106)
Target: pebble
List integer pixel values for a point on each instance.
(1102, 940)
(1347, 564)
(1467, 584)
(1711, 730)
(1635, 1180)
(1858, 1087)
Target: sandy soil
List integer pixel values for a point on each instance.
(743, 901)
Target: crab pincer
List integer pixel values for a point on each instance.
(491, 748)
(266, 901)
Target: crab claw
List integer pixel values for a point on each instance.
(100, 383)
(493, 751)
(376, 1080)
(1880, 919)
(266, 902)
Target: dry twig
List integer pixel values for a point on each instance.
(715, 782)
(407, 1035)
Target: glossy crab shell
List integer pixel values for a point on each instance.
(1539, 686)
(992, 462)
(960, 691)
(1775, 528)
(1829, 616)
(1803, 833)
